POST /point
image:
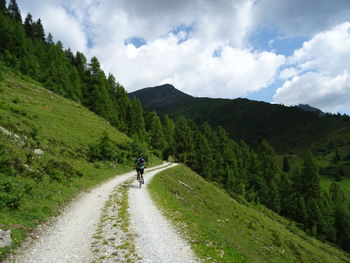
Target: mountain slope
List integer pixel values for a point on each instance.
(222, 229)
(45, 154)
(286, 128)
(159, 97)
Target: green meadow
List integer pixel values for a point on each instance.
(221, 229)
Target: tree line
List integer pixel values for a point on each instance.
(251, 174)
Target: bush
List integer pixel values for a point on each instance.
(104, 150)
(5, 160)
(12, 191)
(60, 171)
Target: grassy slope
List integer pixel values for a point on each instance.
(223, 230)
(63, 129)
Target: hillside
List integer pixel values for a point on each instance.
(222, 229)
(160, 97)
(285, 128)
(45, 153)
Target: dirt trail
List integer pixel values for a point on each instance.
(70, 237)
(156, 239)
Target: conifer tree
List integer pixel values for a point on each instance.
(286, 167)
(269, 195)
(204, 157)
(310, 179)
(336, 157)
(169, 132)
(348, 156)
(39, 32)
(28, 25)
(155, 129)
(3, 8)
(183, 138)
(49, 39)
(14, 11)
(136, 120)
(95, 93)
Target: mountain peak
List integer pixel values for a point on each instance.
(160, 96)
(307, 107)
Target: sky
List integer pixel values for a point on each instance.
(289, 52)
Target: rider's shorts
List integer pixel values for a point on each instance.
(139, 170)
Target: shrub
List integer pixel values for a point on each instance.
(104, 150)
(5, 159)
(60, 171)
(12, 191)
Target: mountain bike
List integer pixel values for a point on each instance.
(140, 179)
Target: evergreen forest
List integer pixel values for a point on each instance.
(245, 172)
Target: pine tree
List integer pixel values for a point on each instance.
(271, 176)
(28, 25)
(348, 156)
(39, 32)
(155, 130)
(3, 8)
(169, 132)
(336, 158)
(286, 167)
(49, 39)
(14, 11)
(310, 179)
(136, 121)
(204, 156)
(184, 138)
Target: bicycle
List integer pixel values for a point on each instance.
(140, 179)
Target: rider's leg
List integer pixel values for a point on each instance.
(142, 178)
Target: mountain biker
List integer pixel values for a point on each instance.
(140, 164)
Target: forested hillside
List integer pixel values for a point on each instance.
(26, 51)
(287, 129)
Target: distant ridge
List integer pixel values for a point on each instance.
(285, 128)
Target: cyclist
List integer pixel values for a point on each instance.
(140, 164)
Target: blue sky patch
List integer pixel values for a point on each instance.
(188, 29)
(217, 52)
(90, 42)
(267, 39)
(136, 41)
(265, 94)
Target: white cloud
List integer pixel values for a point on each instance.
(331, 94)
(192, 68)
(300, 17)
(56, 20)
(187, 63)
(186, 60)
(319, 70)
(288, 73)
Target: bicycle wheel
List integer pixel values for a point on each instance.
(140, 182)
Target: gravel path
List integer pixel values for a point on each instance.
(69, 238)
(156, 239)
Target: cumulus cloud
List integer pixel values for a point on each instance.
(331, 94)
(318, 72)
(192, 68)
(202, 47)
(182, 58)
(56, 20)
(180, 39)
(300, 17)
